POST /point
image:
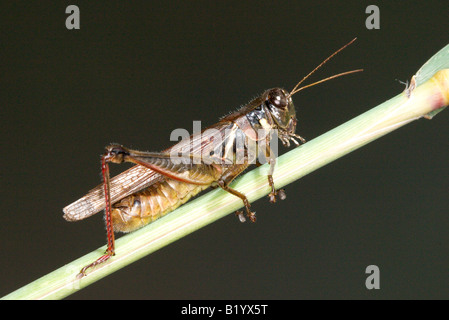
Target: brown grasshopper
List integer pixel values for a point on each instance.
(161, 182)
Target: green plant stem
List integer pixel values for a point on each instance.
(428, 97)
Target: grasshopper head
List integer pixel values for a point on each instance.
(282, 110)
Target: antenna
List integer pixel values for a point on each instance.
(296, 89)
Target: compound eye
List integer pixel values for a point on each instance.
(278, 99)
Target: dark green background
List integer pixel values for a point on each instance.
(137, 70)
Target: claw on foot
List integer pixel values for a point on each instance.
(281, 193)
(100, 260)
(251, 216)
(241, 216)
